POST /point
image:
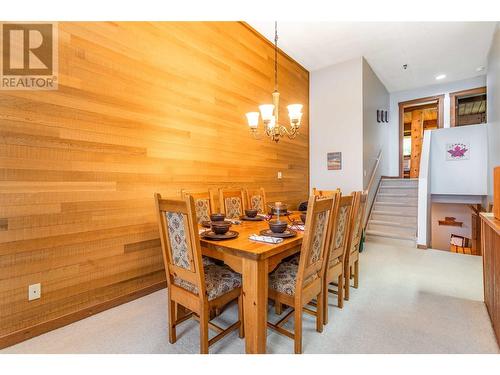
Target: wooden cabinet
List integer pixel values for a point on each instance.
(490, 233)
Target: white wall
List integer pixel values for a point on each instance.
(465, 177)
(493, 105)
(336, 124)
(375, 134)
(441, 233)
(402, 96)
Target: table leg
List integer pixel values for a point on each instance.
(255, 304)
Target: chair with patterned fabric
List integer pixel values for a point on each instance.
(297, 285)
(192, 285)
(204, 206)
(232, 202)
(203, 203)
(337, 249)
(352, 255)
(324, 193)
(256, 199)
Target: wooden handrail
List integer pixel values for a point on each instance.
(372, 177)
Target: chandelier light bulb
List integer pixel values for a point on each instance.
(272, 123)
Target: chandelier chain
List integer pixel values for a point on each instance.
(276, 55)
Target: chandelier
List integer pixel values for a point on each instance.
(270, 112)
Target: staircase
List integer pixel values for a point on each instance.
(394, 211)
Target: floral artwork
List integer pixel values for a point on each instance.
(457, 151)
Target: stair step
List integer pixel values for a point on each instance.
(394, 224)
(407, 187)
(403, 200)
(390, 217)
(396, 195)
(392, 241)
(389, 235)
(395, 204)
(393, 230)
(393, 213)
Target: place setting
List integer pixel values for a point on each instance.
(219, 228)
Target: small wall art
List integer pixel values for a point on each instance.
(457, 151)
(334, 161)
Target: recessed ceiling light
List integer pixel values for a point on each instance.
(479, 68)
(440, 76)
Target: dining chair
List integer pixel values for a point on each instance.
(204, 206)
(338, 243)
(352, 261)
(192, 285)
(203, 202)
(232, 202)
(256, 199)
(297, 285)
(324, 193)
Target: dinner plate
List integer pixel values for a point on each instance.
(210, 235)
(288, 213)
(256, 218)
(286, 234)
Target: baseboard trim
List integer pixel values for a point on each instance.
(38, 329)
(423, 247)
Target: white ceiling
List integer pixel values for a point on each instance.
(456, 49)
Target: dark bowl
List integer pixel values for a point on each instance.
(303, 218)
(251, 213)
(278, 226)
(217, 217)
(220, 227)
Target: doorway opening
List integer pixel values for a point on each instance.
(416, 116)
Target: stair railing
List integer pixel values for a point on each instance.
(370, 197)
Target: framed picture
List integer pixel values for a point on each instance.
(457, 151)
(334, 161)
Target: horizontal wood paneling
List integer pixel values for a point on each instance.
(141, 108)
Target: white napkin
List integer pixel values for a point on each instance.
(266, 239)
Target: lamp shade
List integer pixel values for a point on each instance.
(295, 111)
(253, 119)
(266, 111)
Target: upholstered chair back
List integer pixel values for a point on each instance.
(180, 242)
(203, 203)
(313, 254)
(257, 200)
(232, 202)
(341, 227)
(324, 193)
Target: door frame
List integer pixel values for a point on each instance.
(439, 99)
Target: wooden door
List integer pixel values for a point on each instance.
(417, 132)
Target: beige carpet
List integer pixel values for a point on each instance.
(409, 301)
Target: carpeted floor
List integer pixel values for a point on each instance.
(409, 301)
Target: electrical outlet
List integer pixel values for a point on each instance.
(280, 175)
(34, 291)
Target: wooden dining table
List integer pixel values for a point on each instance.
(254, 260)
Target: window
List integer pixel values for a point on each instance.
(468, 107)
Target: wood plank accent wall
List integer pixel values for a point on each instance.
(141, 107)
